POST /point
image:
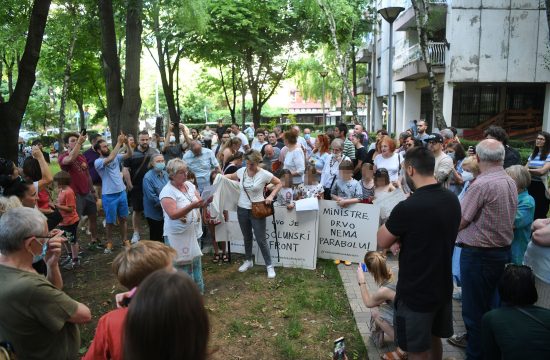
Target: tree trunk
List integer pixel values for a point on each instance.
(421, 10)
(230, 103)
(9, 61)
(547, 3)
(111, 66)
(67, 79)
(129, 114)
(343, 60)
(12, 111)
(1, 74)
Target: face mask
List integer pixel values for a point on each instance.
(452, 155)
(467, 176)
(172, 139)
(307, 136)
(160, 166)
(410, 182)
(42, 254)
(161, 144)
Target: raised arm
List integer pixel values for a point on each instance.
(47, 177)
(75, 151)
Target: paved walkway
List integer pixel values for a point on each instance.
(362, 314)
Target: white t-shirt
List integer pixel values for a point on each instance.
(254, 186)
(295, 161)
(391, 164)
(244, 140)
(256, 145)
(177, 226)
(331, 170)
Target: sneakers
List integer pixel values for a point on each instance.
(94, 245)
(460, 340)
(109, 248)
(72, 264)
(271, 272)
(135, 237)
(246, 265)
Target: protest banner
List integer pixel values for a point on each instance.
(231, 231)
(297, 236)
(347, 233)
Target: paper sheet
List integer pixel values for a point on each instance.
(307, 204)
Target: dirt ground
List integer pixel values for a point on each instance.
(298, 315)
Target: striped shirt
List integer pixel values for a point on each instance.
(349, 149)
(536, 163)
(489, 206)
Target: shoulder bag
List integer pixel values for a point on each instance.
(260, 210)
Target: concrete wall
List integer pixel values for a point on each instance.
(497, 41)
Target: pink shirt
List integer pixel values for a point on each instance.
(490, 206)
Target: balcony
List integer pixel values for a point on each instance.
(407, 19)
(364, 53)
(364, 86)
(409, 65)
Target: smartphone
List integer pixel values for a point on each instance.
(83, 131)
(364, 267)
(339, 349)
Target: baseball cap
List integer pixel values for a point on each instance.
(434, 137)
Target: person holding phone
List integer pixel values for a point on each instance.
(46, 325)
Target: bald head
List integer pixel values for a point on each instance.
(490, 151)
(196, 147)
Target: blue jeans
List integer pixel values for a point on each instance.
(249, 224)
(194, 270)
(480, 272)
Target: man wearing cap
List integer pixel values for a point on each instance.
(443, 162)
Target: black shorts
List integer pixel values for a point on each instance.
(414, 330)
(70, 232)
(135, 199)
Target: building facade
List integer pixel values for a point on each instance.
(491, 59)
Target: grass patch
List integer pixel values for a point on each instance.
(298, 315)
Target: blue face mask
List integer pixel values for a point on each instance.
(42, 254)
(160, 166)
(307, 136)
(161, 144)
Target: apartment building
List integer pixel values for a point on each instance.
(491, 59)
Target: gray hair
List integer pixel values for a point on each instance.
(174, 166)
(338, 143)
(7, 203)
(18, 224)
(152, 160)
(447, 134)
(520, 175)
(490, 150)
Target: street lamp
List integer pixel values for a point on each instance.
(323, 74)
(390, 14)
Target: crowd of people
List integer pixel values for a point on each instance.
(443, 232)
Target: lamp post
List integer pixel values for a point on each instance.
(390, 14)
(323, 74)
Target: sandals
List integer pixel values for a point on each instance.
(225, 258)
(398, 354)
(216, 258)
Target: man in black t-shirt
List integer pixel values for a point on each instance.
(423, 305)
(360, 154)
(137, 166)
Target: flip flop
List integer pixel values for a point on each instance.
(216, 258)
(225, 258)
(394, 355)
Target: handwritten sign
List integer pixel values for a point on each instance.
(347, 233)
(231, 231)
(297, 236)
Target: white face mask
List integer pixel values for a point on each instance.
(467, 176)
(172, 139)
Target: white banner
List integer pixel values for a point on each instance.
(297, 236)
(231, 231)
(347, 233)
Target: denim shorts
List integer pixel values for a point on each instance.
(115, 205)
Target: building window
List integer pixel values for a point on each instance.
(378, 67)
(473, 105)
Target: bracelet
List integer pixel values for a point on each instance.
(362, 283)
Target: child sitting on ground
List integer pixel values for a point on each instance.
(66, 203)
(131, 266)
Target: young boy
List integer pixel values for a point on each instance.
(66, 203)
(346, 190)
(131, 266)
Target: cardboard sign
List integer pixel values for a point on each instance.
(347, 233)
(297, 236)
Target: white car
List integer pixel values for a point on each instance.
(27, 135)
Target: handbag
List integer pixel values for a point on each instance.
(260, 210)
